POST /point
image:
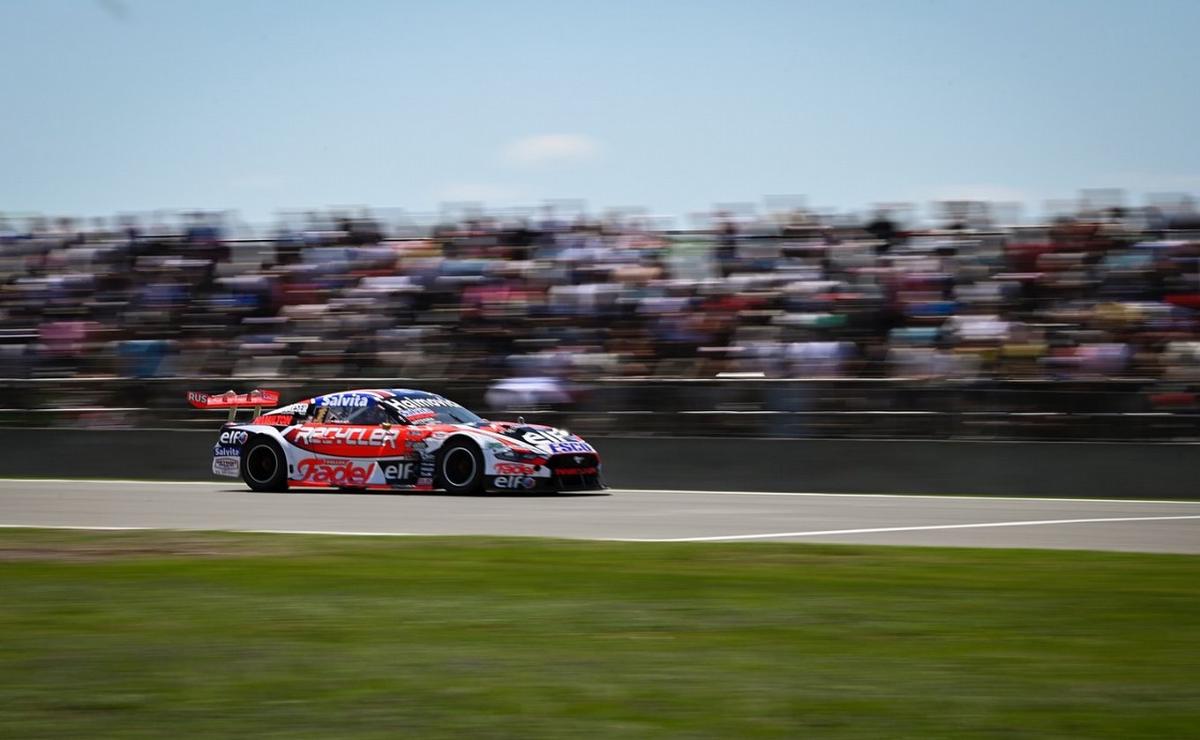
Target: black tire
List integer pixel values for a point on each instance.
(264, 468)
(460, 468)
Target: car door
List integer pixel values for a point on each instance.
(351, 441)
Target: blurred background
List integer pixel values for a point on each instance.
(869, 220)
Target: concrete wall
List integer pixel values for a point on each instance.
(1125, 470)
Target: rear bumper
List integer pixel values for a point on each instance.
(227, 466)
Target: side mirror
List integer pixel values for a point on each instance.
(386, 425)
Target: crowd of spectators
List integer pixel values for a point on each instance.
(539, 305)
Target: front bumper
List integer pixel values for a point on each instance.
(568, 472)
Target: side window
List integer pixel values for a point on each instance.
(370, 414)
(334, 415)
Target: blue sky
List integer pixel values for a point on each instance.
(114, 105)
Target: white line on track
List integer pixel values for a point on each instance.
(104, 481)
(910, 495)
(87, 528)
(712, 538)
(231, 482)
(919, 528)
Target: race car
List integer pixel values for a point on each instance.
(392, 439)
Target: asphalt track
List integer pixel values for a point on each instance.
(625, 515)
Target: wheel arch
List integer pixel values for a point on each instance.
(256, 431)
(460, 440)
(482, 443)
(276, 480)
(460, 436)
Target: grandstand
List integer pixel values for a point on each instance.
(785, 324)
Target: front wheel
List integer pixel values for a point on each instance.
(460, 468)
(263, 465)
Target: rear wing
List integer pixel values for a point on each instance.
(255, 399)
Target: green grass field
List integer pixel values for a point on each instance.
(222, 635)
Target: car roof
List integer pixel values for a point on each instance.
(381, 393)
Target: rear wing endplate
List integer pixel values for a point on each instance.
(233, 401)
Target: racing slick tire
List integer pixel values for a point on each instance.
(460, 468)
(264, 467)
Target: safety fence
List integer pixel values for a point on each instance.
(1124, 409)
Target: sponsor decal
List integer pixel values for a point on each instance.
(295, 408)
(542, 437)
(415, 404)
(234, 437)
(275, 420)
(575, 471)
(418, 417)
(227, 466)
(514, 482)
(333, 472)
(197, 397)
(219, 451)
(508, 468)
(397, 472)
(353, 436)
(347, 400)
(558, 447)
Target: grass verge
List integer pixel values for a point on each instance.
(221, 635)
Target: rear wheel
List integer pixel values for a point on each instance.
(460, 468)
(263, 465)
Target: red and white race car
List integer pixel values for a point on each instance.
(389, 439)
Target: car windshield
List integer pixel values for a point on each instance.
(430, 410)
